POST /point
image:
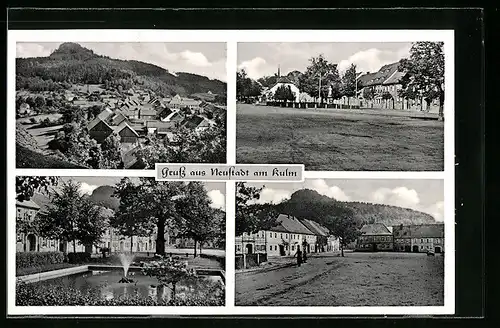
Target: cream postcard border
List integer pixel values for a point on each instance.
(231, 38)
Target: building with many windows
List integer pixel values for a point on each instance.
(284, 238)
(29, 241)
(375, 237)
(419, 238)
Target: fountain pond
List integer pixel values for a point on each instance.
(110, 284)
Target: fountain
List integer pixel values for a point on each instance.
(126, 260)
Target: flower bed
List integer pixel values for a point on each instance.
(42, 295)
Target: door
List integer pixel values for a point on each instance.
(407, 248)
(374, 247)
(249, 248)
(31, 243)
(282, 250)
(415, 249)
(437, 249)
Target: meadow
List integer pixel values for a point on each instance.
(340, 140)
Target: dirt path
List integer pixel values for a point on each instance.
(359, 279)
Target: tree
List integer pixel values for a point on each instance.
(169, 271)
(155, 205)
(250, 216)
(320, 67)
(111, 152)
(26, 186)
(368, 93)
(40, 101)
(349, 82)
(342, 223)
(284, 93)
(71, 217)
(242, 83)
(425, 70)
(268, 81)
(128, 219)
(195, 218)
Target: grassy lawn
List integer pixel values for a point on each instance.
(43, 268)
(339, 140)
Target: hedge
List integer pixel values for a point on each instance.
(80, 257)
(54, 295)
(33, 259)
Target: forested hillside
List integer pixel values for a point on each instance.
(307, 203)
(72, 63)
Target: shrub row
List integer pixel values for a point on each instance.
(33, 259)
(80, 257)
(54, 295)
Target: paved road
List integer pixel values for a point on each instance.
(359, 279)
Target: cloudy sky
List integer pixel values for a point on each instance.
(216, 190)
(207, 59)
(261, 59)
(422, 195)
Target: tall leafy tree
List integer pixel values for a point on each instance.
(425, 70)
(250, 216)
(349, 82)
(129, 220)
(342, 223)
(195, 218)
(26, 186)
(156, 205)
(71, 217)
(111, 152)
(320, 68)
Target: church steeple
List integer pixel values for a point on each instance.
(279, 75)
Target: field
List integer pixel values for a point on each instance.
(359, 279)
(340, 140)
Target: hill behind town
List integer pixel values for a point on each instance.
(73, 64)
(308, 203)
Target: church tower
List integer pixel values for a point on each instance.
(279, 74)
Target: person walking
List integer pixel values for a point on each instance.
(304, 258)
(299, 256)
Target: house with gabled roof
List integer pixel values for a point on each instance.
(375, 237)
(419, 238)
(98, 128)
(283, 81)
(283, 239)
(183, 102)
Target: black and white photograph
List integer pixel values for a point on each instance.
(115, 241)
(341, 106)
(119, 105)
(340, 243)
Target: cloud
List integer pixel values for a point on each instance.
(218, 198)
(436, 210)
(86, 188)
(324, 189)
(195, 58)
(26, 50)
(400, 196)
(255, 67)
(371, 60)
(273, 196)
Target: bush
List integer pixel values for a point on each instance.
(33, 120)
(33, 259)
(53, 295)
(80, 257)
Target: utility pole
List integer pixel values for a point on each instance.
(319, 89)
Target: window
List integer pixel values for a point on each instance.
(293, 247)
(281, 235)
(275, 247)
(286, 236)
(271, 247)
(270, 235)
(275, 235)
(421, 240)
